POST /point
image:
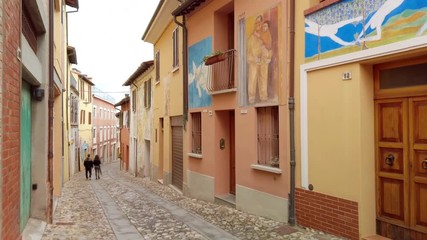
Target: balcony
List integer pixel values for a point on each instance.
(221, 74)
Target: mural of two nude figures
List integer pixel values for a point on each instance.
(260, 85)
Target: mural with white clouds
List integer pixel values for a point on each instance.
(355, 25)
(198, 74)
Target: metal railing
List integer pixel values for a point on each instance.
(221, 74)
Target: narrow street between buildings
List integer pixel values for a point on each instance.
(120, 206)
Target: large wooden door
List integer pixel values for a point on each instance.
(401, 167)
(418, 163)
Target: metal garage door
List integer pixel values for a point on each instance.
(177, 151)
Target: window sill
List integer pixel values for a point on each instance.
(266, 168)
(223, 91)
(175, 69)
(195, 155)
(156, 83)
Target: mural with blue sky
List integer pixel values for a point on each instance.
(198, 74)
(354, 25)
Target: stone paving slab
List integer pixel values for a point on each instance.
(88, 208)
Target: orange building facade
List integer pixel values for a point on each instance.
(124, 121)
(238, 130)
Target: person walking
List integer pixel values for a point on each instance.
(97, 164)
(88, 163)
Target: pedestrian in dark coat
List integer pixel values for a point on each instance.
(88, 163)
(97, 164)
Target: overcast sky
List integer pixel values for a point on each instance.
(107, 37)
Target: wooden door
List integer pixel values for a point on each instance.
(391, 159)
(401, 167)
(418, 163)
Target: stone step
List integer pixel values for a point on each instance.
(227, 199)
(375, 237)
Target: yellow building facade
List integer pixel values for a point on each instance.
(168, 117)
(85, 117)
(61, 117)
(359, 118)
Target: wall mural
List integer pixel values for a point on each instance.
(354, 25)
(198, 74)
(262, 58)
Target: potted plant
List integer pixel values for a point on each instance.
(215, 57)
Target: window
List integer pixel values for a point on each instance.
(94, 134)
(74, 109)
(157, 67)
(133, 100)
(82, 116)
(121, 119)
(127, 119)
(89, 94)
(83, 92)
(94, 112)
(147, 93)
(89, 118)
(268, 136)
(175, 40)
(100, 134)
(196, 133)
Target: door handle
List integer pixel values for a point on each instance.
(389, 160)
(424, 164)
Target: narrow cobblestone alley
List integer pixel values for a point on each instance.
(119, 206)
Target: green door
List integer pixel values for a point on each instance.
(25, 154)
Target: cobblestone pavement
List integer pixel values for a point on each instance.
(119, 206)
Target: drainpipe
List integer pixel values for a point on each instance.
(50, 121)
(135, 143)
(291, 105)
(185, 68)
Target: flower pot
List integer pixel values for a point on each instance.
(214, 59)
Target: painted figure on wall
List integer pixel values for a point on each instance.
(354, 25)
(262, 58)
(198, 74)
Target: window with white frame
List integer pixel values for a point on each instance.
(268, 136)
(175, 42)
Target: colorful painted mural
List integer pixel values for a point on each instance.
(262, 58)
(354, 25)
(198, 74)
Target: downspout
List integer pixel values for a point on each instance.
(135, 145)
(291, 105)
(50, 121)
(185, 68)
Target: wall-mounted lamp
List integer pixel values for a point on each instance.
(38, 94)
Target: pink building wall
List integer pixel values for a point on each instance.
(106, 121)
(214, 164)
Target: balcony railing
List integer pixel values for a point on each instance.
(221, 74)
